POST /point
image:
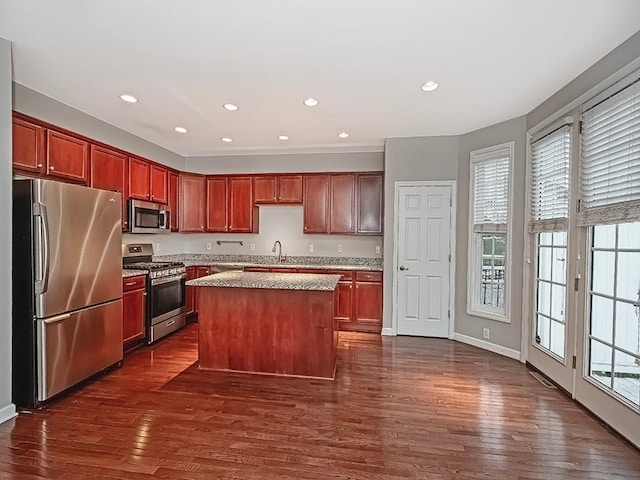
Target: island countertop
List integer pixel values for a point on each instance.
(271, 281)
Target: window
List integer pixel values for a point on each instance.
(548, 221)
(490, 188)
(610, 206)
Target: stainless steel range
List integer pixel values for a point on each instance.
(165, 290)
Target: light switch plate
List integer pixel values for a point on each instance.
(253, 247)
(377, 248)
(340, 249)
(208, 245)
(311, 248)
(158, 247)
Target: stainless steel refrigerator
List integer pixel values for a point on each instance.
(67, 286)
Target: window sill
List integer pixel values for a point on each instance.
(489, 315)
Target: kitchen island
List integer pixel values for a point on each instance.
(273, 323)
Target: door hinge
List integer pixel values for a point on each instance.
(578, 205)
(576, 283)
(573, 362)
(449, 258)
(580, 124)
(451, 201)
(449, 313)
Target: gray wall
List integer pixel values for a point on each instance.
(6, 408)
(419, 158)
(504, 334)
(45, 108)
(287, 162)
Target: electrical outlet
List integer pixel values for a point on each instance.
(340, 249)
(311, 248)
(208, 245)
(377, 248)
(158, 247)
(486, 333)
(253, 247)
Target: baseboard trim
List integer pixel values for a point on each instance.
(388, 332)
(7, 413)
(492, 347)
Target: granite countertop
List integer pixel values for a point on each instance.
(126, 273)
(274, 281)
(230, 262)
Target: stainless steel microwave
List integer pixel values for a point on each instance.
(148, 217)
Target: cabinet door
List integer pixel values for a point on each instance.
(108, 170)
(67, 157)
(342, 198)
(190, 293)
(173, 201)
(134, 309)
(289, 189)
(158, 184)
(344, 307)
(202, 271)
(139, 171)
(369, 204)
(315, 203)
(368, 302)
(217, 204)
(264, 189)
(28, 146)
(192, 203)
(241, 204)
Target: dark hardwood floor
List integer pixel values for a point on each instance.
(400, 408)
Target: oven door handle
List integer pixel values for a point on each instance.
(163, 280)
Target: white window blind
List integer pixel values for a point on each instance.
(549, 188)
(490, 172)
(610, 163)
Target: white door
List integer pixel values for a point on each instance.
(423, 260)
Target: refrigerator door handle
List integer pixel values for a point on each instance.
(57, 318)
(44, 283)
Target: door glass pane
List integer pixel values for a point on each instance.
(627, 327)
(602, 318)
(628, 235)
(544, 298)
(603, 270)
(544, 263)
(557, 302)
(604, 236)
(626, 380)
(600, 363)
(559, 260)
(557, 339)
(628, 275)
(543, 337)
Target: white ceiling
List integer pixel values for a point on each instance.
(364, 60)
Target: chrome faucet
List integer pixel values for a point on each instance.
(279, 245)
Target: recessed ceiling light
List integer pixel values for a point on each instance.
(226, 139)
(311, 102)
(180, 130)
(231, 107)
(430, 86)
(283, 137)
(343, 134)
(125, 97)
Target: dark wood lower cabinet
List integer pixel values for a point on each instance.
(368, 305)
(134, 311)
(191, 294)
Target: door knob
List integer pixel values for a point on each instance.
(403, 268)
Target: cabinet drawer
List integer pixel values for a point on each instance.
(133, 283)
(368, 276)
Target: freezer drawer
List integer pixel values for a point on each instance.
(74, 346)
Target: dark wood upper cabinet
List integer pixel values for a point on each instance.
(342, 198)
(264, 189)
(67, 157)
(139, 171)
(316, 203)
(173, 201)
(289, 188)
(217, 204)
(108, 172)
(158, 184)
(29, 141)
(241, 208)
(192, 208)
(369, 204)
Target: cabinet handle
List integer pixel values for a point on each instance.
(128, 284)
(145, 294)
(51, 168)
(39, 165)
